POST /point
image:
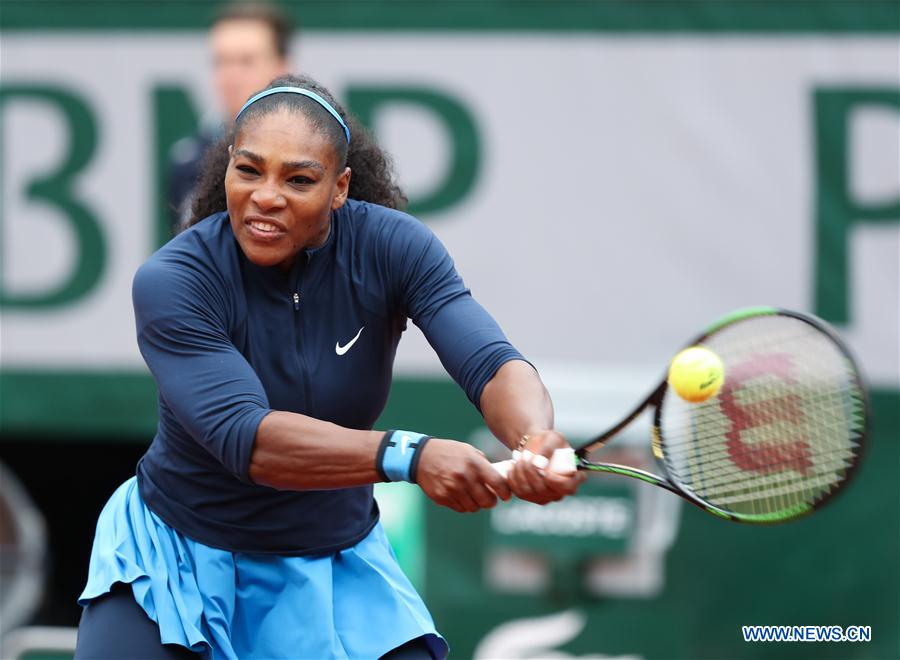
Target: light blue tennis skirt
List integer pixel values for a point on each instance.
(355, 603)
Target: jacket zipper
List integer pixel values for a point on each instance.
(298, 348)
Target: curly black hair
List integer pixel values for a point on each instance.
(373, 178)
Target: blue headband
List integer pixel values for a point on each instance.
(296, 90)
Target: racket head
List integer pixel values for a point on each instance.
(786, 431)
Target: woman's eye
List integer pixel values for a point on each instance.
(246, 169)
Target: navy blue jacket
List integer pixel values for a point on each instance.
(228, 342)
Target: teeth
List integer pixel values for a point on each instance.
(263, 226)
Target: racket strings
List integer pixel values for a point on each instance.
(826, 483)
(783, 431)
(833, 442)
(727, 484)
(721, 478)
(726, 478)
(822, 405)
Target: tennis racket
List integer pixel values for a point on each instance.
(782, 436)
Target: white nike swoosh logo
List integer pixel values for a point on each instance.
(340, 350)
(404, 444)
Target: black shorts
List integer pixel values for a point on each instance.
(115, 626)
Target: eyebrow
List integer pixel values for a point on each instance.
(293, 165)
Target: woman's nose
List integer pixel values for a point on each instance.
(268, 197)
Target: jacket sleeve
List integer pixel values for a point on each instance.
(201, 376)
(468, 341)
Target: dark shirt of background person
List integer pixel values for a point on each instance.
(249, 44)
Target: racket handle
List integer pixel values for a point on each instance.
(503, 467)
(562, 462)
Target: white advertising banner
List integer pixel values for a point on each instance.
(627, 190)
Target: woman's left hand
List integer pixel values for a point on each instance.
(541, 486)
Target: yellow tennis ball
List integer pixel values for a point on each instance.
(696, 374)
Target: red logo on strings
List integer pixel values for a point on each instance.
(763, 457)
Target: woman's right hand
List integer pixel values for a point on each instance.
(456, 475)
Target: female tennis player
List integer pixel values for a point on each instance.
(270, 326)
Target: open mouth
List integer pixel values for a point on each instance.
(264, 228)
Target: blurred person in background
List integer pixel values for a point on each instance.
(249, 43)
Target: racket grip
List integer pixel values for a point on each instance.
(503, 467)
(562, 462)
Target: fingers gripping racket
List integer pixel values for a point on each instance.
(781, 437)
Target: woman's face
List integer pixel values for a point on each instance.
(282, 182)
